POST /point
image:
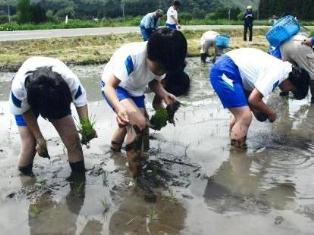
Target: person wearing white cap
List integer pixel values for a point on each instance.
(150, 23)
(248, 23)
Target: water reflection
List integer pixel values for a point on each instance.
(134, 216)
(238, 186)
(47, 216)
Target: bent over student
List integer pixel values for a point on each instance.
(47, 87)
(150, 23)
(298, 53)
(243, 77)
(208, 40)
(131, 68)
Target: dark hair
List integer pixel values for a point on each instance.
(176, 3)
(47, 93)
(168, 47)
(177, 83)
(301, 80)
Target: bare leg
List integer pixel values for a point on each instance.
(69, 135)
(27, 151)
(243, 118)
(232, 122)
(137, 118)
(118, 138)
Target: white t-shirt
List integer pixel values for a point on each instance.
(18, 96)
(209, 37)
(171, 12)
(129, 65)
(260, 70)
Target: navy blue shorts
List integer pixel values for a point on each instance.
(146, 33)
(227, 83)
(171, 26)
(124, 94)
(20, 120)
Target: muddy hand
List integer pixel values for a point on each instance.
(272, 117)
(169, 98)
(122, 117)
(41, 148)
(172, 109)
(86, 138)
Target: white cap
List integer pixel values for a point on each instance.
(249, 7)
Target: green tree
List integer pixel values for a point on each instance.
(24, 11)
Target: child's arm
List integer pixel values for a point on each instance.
(256, 101)
(82, 112)
(110, 92)
(160, 91)
(32, 124)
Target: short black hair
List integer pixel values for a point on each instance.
(47, 93)
(177, 83)
(176, 3)
(168, 47)
(301, 80)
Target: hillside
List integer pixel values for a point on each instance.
(57, 9)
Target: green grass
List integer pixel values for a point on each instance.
(128, 21)
(98, 49)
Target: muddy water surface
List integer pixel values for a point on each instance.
(210, 189)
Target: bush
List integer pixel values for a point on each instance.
(185, 17)
(4, 19)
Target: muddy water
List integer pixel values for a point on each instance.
(268, 189)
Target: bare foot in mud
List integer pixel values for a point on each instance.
(116, 146)
(26, 170)
(239, 144)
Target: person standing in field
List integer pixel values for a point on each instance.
(150, 23)
(248, 23)
(172, 16)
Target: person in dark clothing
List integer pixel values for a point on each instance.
(248, 23)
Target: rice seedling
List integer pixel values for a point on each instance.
(87, 130)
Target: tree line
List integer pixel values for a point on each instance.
(37, 11)
(302, 9)
(55, 10)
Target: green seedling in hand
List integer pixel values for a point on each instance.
(87, 131)
(164, 115)
(159, 119)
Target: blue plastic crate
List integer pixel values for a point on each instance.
(222, 41)
(283, 30)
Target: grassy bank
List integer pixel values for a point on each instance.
(128, 21)
(98, 49)
(132, 21)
